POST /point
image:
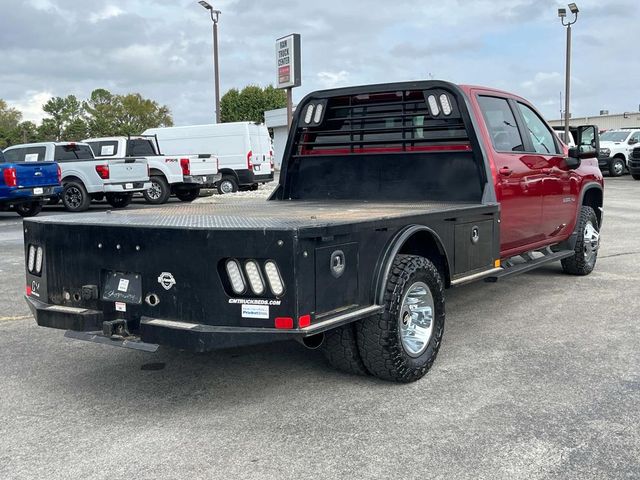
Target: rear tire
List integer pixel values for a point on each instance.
(636, 176)
(340, 348)
(30, 209)
(188, 195)
(616, 167)
(159, 192)
(75, 197)
(227, 185)
(587, 245)
(402, 342)
(119, 200)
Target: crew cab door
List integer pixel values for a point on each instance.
(518, 175)
(560, 183)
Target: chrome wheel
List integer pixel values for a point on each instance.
(416, 319)
(226, 186)
(155, 191)
(591, 242)
(618, 167)
(73, 196)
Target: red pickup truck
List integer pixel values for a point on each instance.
(389, 194)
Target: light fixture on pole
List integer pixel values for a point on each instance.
(562, 13)
(215, 14)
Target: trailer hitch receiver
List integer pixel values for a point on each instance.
(115, 327)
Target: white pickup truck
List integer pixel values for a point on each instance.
(180, 175)
(85, 178)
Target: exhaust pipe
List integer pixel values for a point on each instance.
(312, 342)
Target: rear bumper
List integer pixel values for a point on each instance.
(25, 195)
(202, 180)
(248, 177)
(183, 335)
(126, 187)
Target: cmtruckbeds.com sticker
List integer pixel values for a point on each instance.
(253, 301)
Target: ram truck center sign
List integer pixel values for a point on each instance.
(288, 61)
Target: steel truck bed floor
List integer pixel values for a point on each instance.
(267, 215)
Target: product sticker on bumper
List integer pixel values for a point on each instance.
(121, 307)
(123, 285)
(255, 311)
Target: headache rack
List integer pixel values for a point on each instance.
(395, 121)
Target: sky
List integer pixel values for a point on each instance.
(163, 49)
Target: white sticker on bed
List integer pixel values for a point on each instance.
(255, 311)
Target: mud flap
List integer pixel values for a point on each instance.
(97, 337)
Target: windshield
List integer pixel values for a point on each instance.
(73, 152)
(614, 136)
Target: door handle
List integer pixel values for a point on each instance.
(506, 171)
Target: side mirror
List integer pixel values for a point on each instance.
(633, 141)
(583, 152)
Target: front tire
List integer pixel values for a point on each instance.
(30, 209)
(75, 197)
(616, 167)
(636, 176)
(119, 200)
(159, 192)
(402, 342)
(188, 195)
(587, 245)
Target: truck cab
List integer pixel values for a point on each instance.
(85, 178)
(179, 175)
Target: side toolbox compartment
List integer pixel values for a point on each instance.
(474, 244)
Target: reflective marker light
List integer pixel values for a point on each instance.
(433, 105)
(318, 115)
(235, 276)
(39, 260)
(283, 322)
(255, 279)
(446, 105)
(273, 276)
(304, 321)
(309, 114)
(32, 258)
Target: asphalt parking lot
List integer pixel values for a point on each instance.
(538, 377)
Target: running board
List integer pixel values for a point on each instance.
(97, 337)
(530, 264)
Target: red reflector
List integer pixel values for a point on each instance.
(186, 167)
(304, 321)
(28, 291)
(284, 322)
(249, 156)
(10, 177)
(59, 175)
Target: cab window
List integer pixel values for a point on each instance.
(541, 136)
(501, 123)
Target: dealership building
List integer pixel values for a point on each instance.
(604, 121)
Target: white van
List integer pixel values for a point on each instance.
(243, 149)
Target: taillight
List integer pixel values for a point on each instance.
(103, 171)
(271, 159)
(148, 171)
(185, 165)
(249, 157)
(59, 175)
(10, 177)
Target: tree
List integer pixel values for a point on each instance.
(108, 114)
(9, 121)
(67, 119)
(249, 104)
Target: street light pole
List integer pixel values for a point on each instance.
(215, 15)
(562, 13)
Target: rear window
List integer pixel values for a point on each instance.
(104, 149)
(73, 152)
(140, 147)
(25, 154)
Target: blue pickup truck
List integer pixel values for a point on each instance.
(26, 185)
